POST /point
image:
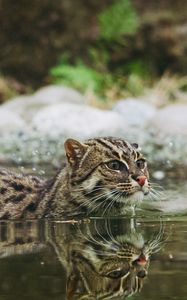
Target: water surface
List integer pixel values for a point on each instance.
(93, 258)
(144, 257)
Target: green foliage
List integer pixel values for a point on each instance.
(79, 76)
(118, 19)
(106, 76)
(104, 84)
(137, 67)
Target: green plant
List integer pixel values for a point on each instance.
(118, 19)
(104, 85)
(79, 76)
(109, 68)
(137, 67)
(106, 77)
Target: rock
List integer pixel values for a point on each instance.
(78, 121)
(171, 201)
(27, 106)
(34, 128)
(24, 106)
(53, 94)
(171, 121)
(168, 129)
(135, 113)
(10, 122)
(159, 175)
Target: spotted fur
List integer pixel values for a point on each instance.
(101, 175)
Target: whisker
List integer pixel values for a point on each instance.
(90, 202)
(99, 252)
(90, 238)
(102, 237)
(156, 185)
(97, 206)
(157, 193)
(110, 203)
(109, 232)
(152, 196)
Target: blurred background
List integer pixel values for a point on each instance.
(112, 48)
(88, 68)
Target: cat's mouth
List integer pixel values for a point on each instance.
(144, 190)
(132, 197)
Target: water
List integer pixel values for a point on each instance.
(144, 257)
(92, 258)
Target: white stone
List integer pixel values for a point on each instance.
(135, 112)
(27, 106)
(171, 120)
(59, 93)
(159, 175)
(78, 121)
(10, 122)
(171, 202)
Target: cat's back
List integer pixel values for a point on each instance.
(18, 194)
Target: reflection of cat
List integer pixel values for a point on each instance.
(100, 263)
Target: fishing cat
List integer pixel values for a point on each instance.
(104, 174)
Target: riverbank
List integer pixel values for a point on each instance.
(33, 128)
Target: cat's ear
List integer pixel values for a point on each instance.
(135, 145)
(71, 285)
(74, 151)
(74, 286)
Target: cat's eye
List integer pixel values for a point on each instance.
(141, 163)
(117, 273)
(115, 165)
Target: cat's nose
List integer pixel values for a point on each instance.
(141, 180)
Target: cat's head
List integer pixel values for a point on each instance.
(106, 171)
(114, 278)
(105, 258)
(101, 268)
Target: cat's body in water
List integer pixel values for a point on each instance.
(102, 174)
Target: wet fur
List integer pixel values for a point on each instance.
(85, 184)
